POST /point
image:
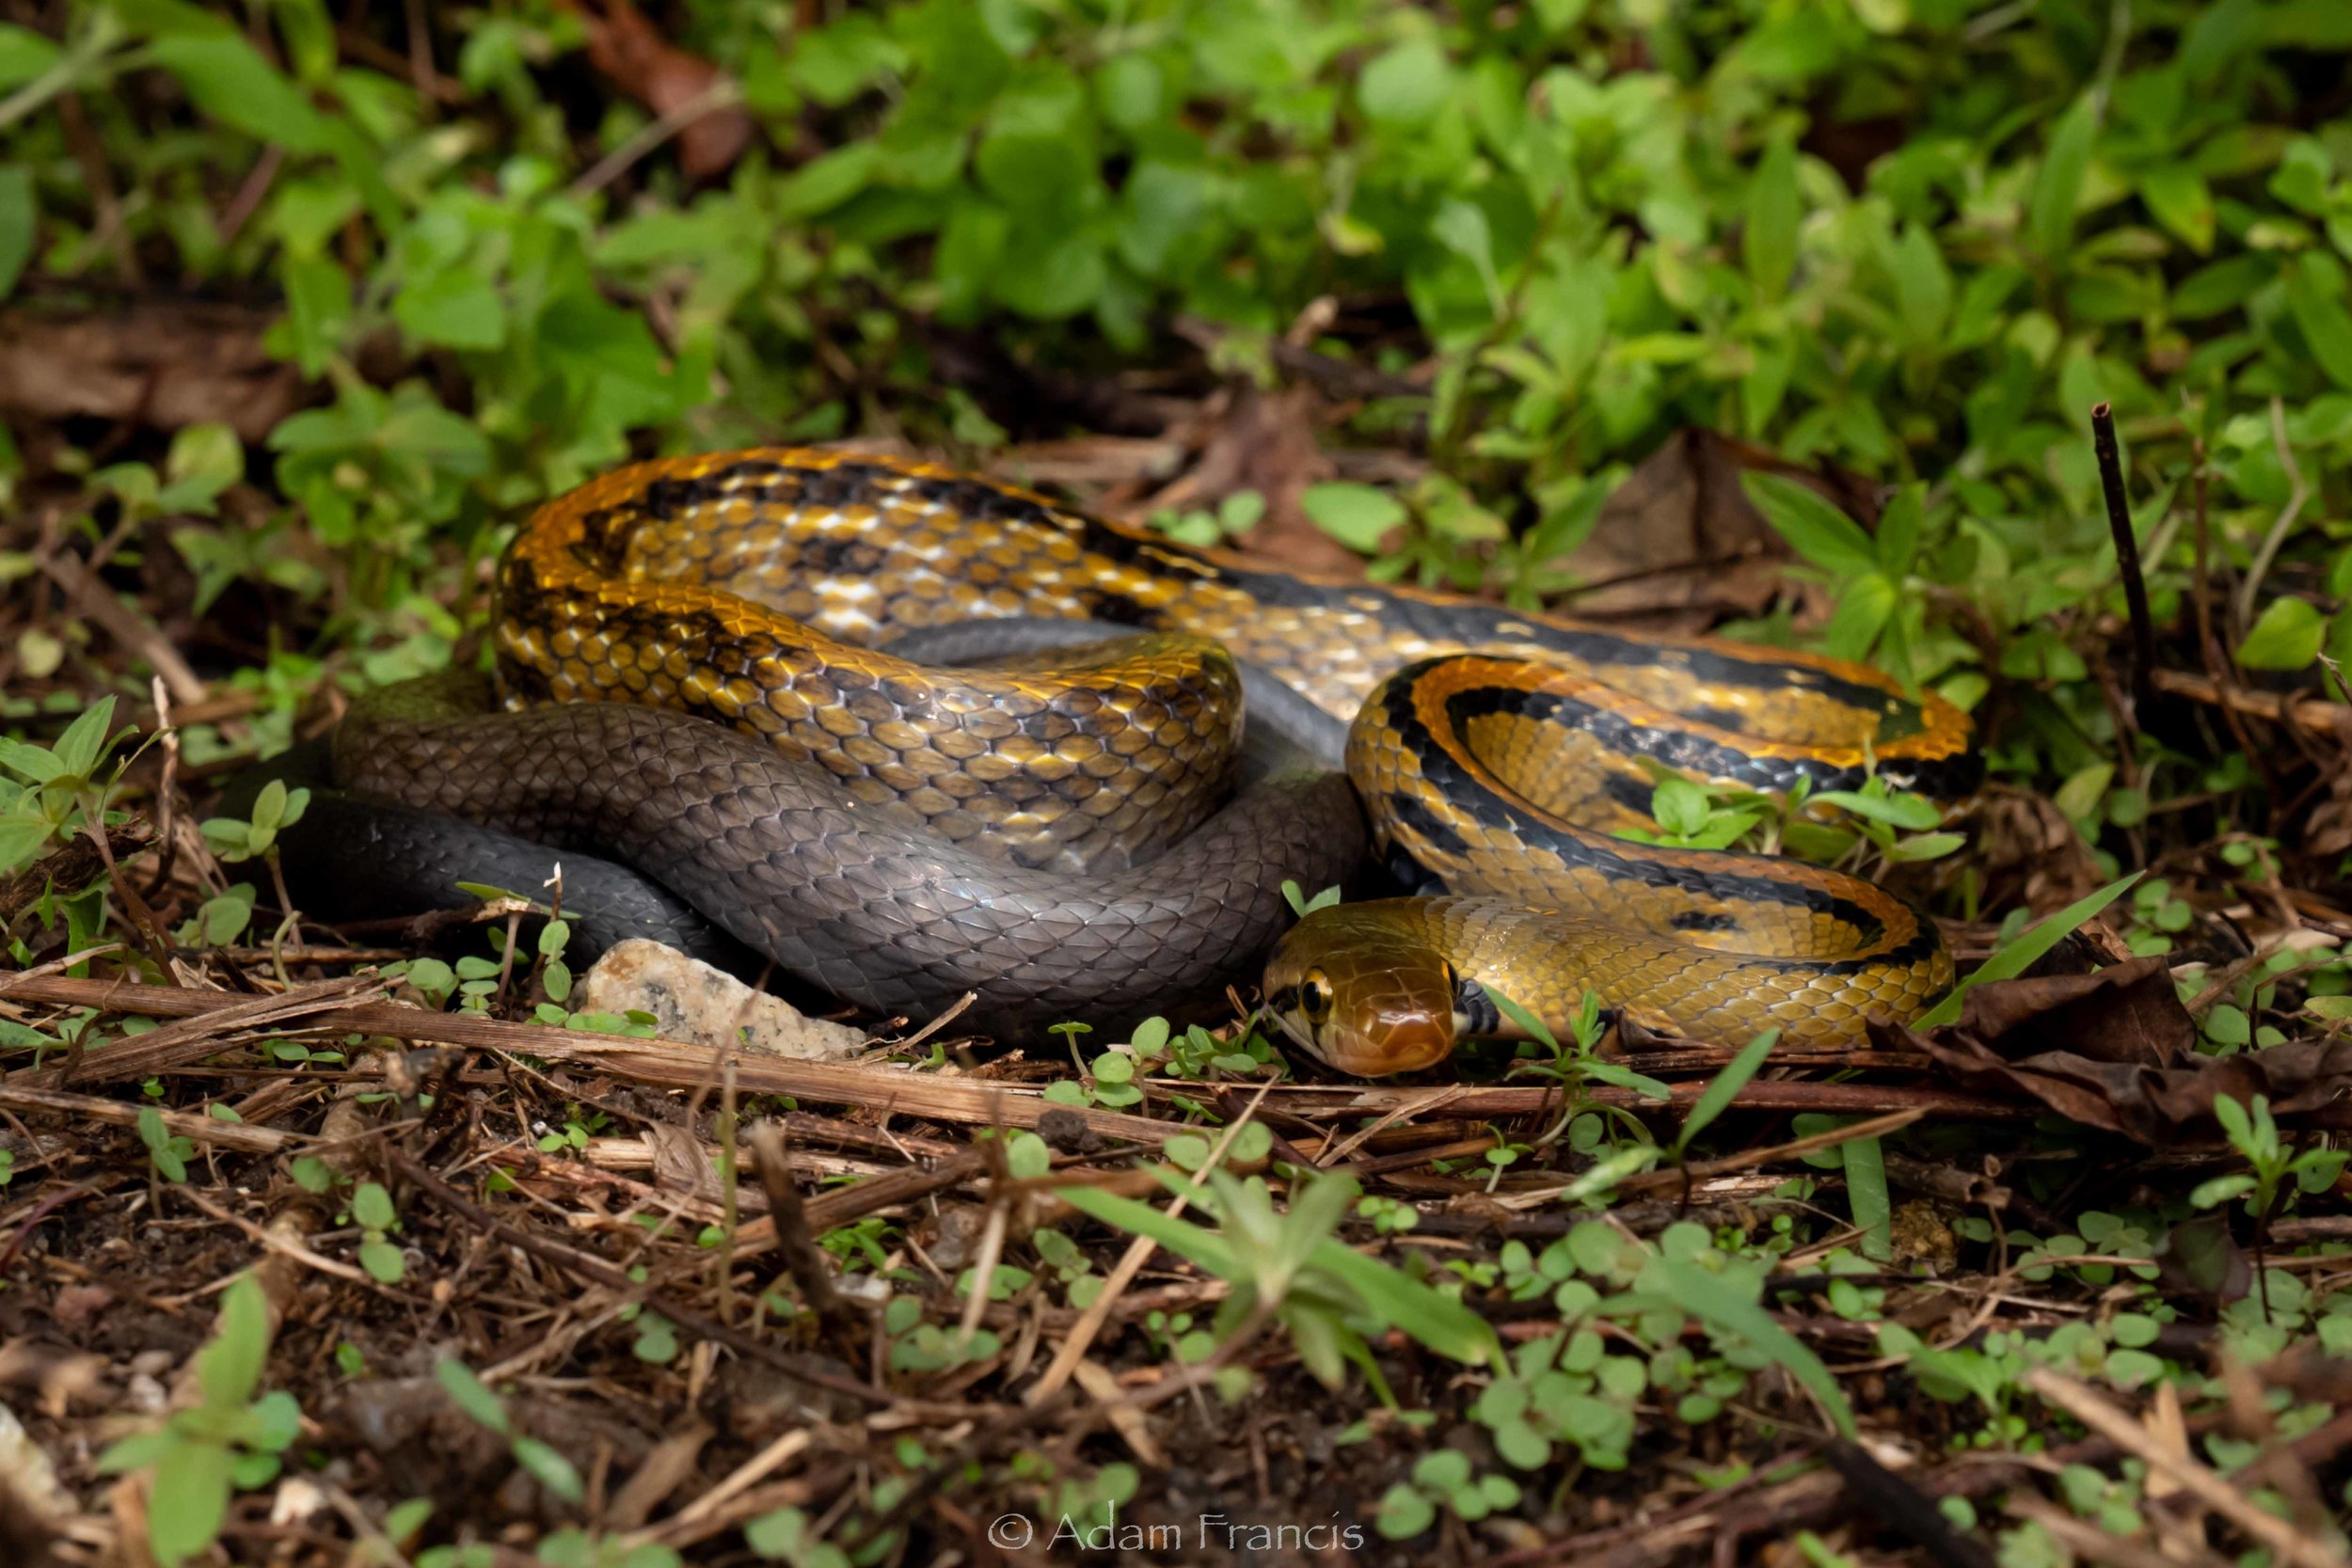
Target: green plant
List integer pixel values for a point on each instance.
(1442, 1476)
(1285, 1268)
(1575, 1065)
(1237, 514)
(542, 1463)
(1109, 1078)
(61, 790)
(2017, 953)
(229, 1441)
(785, 1535)
(168, 1152)
(275, 809)
(2273, 1163)
(372, 1209)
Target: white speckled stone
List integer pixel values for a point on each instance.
(692, 1000)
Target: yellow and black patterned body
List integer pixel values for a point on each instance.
(764, 578)
(1391, 984)
(760, 588)
(1480, 775)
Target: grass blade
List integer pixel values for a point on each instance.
(2017, 954)
(1688, 1288)
(1725, 1087)
(1866, 1192)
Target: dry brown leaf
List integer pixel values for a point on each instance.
(1266, 442)
(1681, 538)
(2116, 1049)
(624, 46)
(162, 364)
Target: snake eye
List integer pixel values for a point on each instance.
(1315, 996)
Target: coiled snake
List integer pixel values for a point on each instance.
(694, 663)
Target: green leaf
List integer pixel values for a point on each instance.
(1923, 286)
(162, 1147)
(2287, 636)
(21, 840)
(2219, 1190)
(2177, 195)
(24, 54)
(269, 806)
(188, 1502)
(1438, 1321)
(2016, 955)
(1910, 812)
(1866, 1192)
(140, 1452)
(228, 1367)
(1194, 1244)
(2325, 323)
(318, 307)
(1815, 530)
(1404, 1512)
(1680, 806)
(1054, 280)
(205, 460)
(457, 309)
(472, 1394)
(226, 78)
(271, 1423)
(372, 1206)
(549, 1469)
(1406, 86)
(1603, 1175)
(2223, 286)
(37, 763)
(1461, 227)
(2058, 188)
(2080, 795)
(1725, 1087)
(1711, 1299)
(19, 224)
(1769, 244)
(440, 440)
(825, 183)
(1357, 515)
(85, 741)
(834, 63)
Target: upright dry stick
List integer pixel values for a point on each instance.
(2086, 1406)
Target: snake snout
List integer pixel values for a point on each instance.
(1358, 998)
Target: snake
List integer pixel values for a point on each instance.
(733, 675)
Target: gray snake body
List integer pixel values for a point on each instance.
(851, 896)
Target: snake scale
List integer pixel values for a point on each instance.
(700, 675)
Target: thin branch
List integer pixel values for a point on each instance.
(723, 94)
(2127, 557)
(2286, 1542)
(802, 1258)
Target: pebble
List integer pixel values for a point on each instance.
(692, 1000)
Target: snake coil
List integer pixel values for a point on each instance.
(694, 679)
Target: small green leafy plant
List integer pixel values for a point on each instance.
(58, 790)
(1286, 1267)
(232, 1440)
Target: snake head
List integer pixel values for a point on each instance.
(1362, 995)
